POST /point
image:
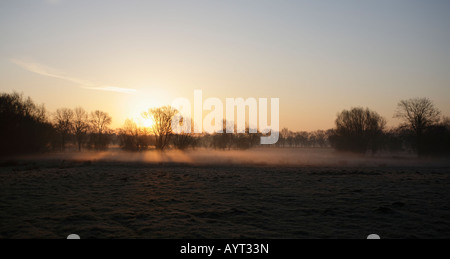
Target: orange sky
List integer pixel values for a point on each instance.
(318, 58)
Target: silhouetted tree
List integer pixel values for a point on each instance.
(230, 141)
(394, 140)
(446, 122)
(358, 130)
(128, 136)
(446, 139)
(284, 135)
(80, 126)
(183, 141)
(100, 122)
(64, 125)
(222, 141)
(319, 138)
(23, 125)
(162, 125)
(302, 139)
(436, 140)
(132, 137)
(246, 140)
(418, 115)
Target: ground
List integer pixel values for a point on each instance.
(107, 198)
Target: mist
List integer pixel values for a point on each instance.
(282, 157)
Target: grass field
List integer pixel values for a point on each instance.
(202, 194)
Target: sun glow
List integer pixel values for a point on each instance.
(148, 123)
(134, 105)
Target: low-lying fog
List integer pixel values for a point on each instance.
(260, 156)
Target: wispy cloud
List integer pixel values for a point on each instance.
(51, 72)
(112, 89)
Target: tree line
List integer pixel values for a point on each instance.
(28, 128)
(358, 130)
(89, 130)
(361, 130)
(422, 130)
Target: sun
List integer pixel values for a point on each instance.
(148, 123)
(143, 123)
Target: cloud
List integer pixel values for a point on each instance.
(112, 89)
(51, 72)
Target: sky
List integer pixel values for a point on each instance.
(319, 57)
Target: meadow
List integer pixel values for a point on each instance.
(262, 193)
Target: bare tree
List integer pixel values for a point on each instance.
(183, 141)
(222, 141)
(418, 115)
(80, 126)
(319, 138)
(64, 124)
(162, 124)
(358, 130)
(301, 139)
(100, 122)
(132, 137)
(284, 136)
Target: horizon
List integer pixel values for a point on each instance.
(147, 123)
(318, 58)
